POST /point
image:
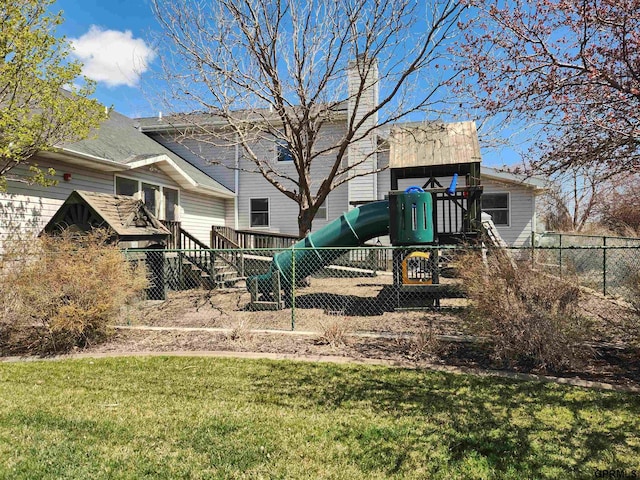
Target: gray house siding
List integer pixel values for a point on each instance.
(521, 212)
(383, 178)
(229, 212)
(362, 153)
(27, 208)
(199, 213)
(283, 212)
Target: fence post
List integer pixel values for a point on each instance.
(560, 260)
(293, 288)
(533, 249)
(604, 265)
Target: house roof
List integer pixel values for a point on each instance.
(199, 119)
(117, 145)
(536, 183)
(126, 216)
(444, 143)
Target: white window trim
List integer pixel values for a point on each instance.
(162, 186)
(326, 210)
(268, 199)
(178, 210)
(508, 194)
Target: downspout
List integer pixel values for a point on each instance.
(236, 182)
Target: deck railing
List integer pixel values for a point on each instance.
(222, 236)
(196, 251)
(174, 227)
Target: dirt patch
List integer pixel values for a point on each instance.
(361, 303)
(610, 365)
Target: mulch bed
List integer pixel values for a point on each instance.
(619, 366)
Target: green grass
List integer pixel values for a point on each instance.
(213, 418)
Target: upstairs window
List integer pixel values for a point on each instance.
(496, 205)
(259, 212)
(283, 151)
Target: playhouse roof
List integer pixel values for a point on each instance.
(418, 144)
(126, 216)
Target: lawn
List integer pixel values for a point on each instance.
(170, 417)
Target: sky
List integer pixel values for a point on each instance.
(114, 41)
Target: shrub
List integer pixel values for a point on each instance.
(528, 315)
(632, 326)
(424, 343)
(240, 333)
(65, 291)
(334, 333)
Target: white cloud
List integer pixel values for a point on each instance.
(112, 57)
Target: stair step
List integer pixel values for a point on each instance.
(196, 268)
(226, 272)
(229, 281)
(225, 278)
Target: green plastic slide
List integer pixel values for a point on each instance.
(351, 229)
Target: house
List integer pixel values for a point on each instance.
(119, 159)
(200, 185)
(509, 198)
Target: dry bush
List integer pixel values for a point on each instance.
(527, 315)
(633, 324)
(334, 333)
(424, 344)
(240, 333)
(634, 285)
(64, 291)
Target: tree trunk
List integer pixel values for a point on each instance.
(304, 221)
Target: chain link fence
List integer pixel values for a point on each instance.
(609, 265)
(564, 240)
(300, 284)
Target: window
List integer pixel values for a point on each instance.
(259, 212)
(163, 202)
(170, 204)
(283, 150)
(322, 213)
(496, 205)
(126, 186)
(151, 197)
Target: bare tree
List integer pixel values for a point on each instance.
(619, 210)
(571, 69)
(576, 197)
(276, 72)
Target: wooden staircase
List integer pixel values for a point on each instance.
(202, 265)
